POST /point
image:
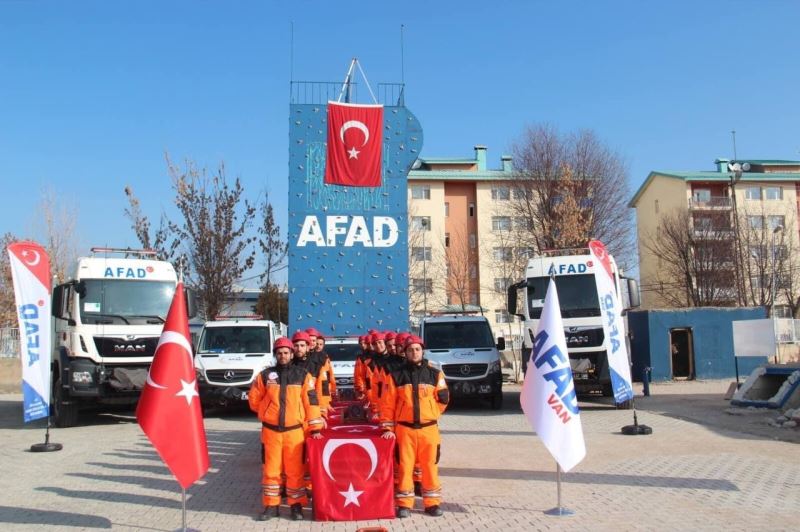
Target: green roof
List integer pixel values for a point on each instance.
(774, 162)
(459, 175)
(723, 177)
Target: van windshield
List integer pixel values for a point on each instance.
(343, 352)
(235, 340)
(450, 335)
(577, 295)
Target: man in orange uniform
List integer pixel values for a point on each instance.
(317, 350)
(375, 369)
(284, 398)
(415, 397)
(361, 383)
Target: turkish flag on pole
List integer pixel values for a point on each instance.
(355, 145)
(169, 408)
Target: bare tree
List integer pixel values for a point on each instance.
(8, 312)
(695, 259)
(571, 188)
(273, 304)
(273, 247)
(55, 228)
(160, 240)
(213, 231)
(460, 280)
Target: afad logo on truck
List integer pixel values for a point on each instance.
(121, 272)
(562, 269)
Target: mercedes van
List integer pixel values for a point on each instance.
(464, 348)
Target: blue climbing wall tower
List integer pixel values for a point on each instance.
(338, 289)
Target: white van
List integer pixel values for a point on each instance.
(463, 347)
(343, 351)
(229, 355)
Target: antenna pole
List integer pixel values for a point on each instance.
(733, 136)
(402, 57)
(291, 50)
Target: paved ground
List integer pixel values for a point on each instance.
(702, 469)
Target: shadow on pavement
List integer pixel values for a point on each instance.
(25, 516)
(593, 478)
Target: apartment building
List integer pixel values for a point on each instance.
(742, 235)
(461, 257)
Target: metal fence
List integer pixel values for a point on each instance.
(9, 343)
(321, 92)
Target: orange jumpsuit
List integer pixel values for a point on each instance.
(328, 378)
(361, 382)
(414, 398)
(285, 400)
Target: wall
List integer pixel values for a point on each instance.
(712, 335)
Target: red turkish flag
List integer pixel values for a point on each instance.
(352, 470)
(355, 145)
(169, 408)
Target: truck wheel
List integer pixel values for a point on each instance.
(608, 391)
(64, 415)
(497, 401)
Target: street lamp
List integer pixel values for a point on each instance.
(736, 170)
(424, 223)
(775, 231)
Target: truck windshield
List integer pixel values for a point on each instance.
(343, 352)
(450, 335)
(577, 295)
(235, 340)
(124, 301)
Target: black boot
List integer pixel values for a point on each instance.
(268, 513)
(402, 513)
(297, 512)
(434, 511)
(418, 489)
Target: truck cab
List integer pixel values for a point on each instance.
(231, 352)
(464, 348)
(107, 322)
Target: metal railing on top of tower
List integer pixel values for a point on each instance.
(321, 92)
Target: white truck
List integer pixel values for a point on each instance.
(231, 352)
(573, 270)
(107, 321)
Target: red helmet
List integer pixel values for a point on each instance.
(313, 332)
(301, 336)
(390, 335)
(400, 339)
(412, 339)
(377, 335)
(282, 342)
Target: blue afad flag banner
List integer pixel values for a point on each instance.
(30, 271)
(613, 325)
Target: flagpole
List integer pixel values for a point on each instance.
(559, 510)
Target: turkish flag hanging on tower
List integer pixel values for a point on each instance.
(355, 145)
(169, 408)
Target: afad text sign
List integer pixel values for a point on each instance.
(349, 231)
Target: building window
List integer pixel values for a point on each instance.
(471, 210)
(755, 222)
(421, 253)
(782, 311)
(501, 284)
(775, 222)
(701, 195)
(446, 209)
(473, 241)
(422, 285)
(501, 316)
(525, 253)
(757, 252)
(773, 193)
(447, 240)
(421, 223)
(420, 192)
(781, 252)
(501, 223)
(501, 193)
(522, 194)
(523, 223)
(752, 193)
(503, 254)
(703, 223)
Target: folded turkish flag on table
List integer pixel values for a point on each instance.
(352, 470)
(355, 145)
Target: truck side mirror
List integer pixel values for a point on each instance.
(633, 294)
(501, 344)
(57, 301)
(511, 298)
(191, 302)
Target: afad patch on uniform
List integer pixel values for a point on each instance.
(273, 378)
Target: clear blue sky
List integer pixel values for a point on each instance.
(92, 93)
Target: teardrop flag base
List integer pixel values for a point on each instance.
(636, 429)
(559, 510)
(46, 447)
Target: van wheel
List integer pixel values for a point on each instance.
(497, 401)
(64, 415)
(608, 391)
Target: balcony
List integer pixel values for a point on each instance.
(714, 202)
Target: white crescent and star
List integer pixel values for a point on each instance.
(35, 261)
(351, 496)
(353, 152)
(188, 389)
